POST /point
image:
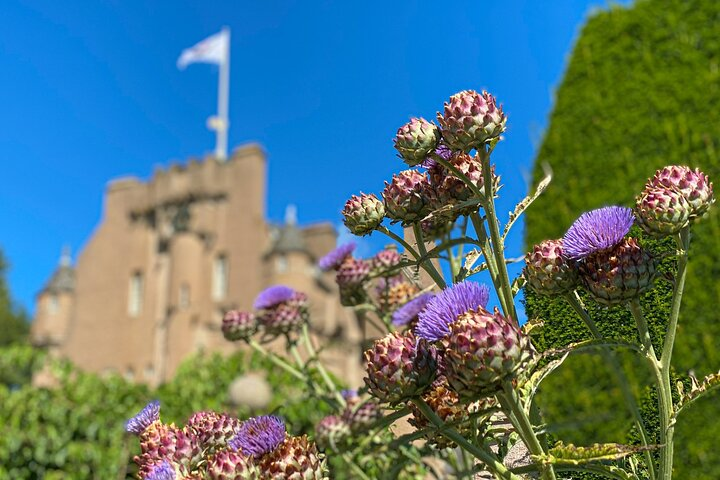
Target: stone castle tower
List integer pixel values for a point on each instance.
(170, 256)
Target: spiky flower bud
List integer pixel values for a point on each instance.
(330, 432)
(231, 465)
(362, 416)
(662, 211)
(408, 198)
(281, 310)
(394, 292)
(385, 261)
(238, 325)
(452, 190)
(437, 226)
(295, 458)
(447, 405)
(350, 277)
(213, 430)
(694, 185)
(470, 119)
(483, 350)
(336, 257)
(618, 275)
(399, 366)
(363, 214)
(416, 139)
(548, 271)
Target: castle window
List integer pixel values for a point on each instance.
(184, 296)
(220, 277)
(53, 304)
(135, 294)
(281, 264)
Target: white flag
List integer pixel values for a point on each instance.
(213, 49)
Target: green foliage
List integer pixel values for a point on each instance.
(641, 91)
(14, 326)
(75, 430)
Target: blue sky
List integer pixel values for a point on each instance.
(89, 91)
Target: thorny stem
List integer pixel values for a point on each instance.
(666, 455)
(574, 300)
(276, 360)
(408, 248)
(498, 246)
(321, 368)
(427, 263)
(664, 393)
(509, 400)
(492, 463)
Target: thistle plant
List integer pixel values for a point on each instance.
(457, 373)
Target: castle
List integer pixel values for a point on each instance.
(170, 256)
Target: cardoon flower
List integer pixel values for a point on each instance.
(259, 435)
(295, 458)
(483, 349)
(442, 151)
(214, 430)
(237, 325)
(363, 214)
(597, 230)
(548, 271)
(330, 431)
(148, 415)
(162, 471)
(416, 139)
(386, 260)
(662, 211)
(470, 119)
(693, 184)
(399, 366)
(231, 465)
(361, 416)
(335, 258)
(394, 292)
(408, 197)
(408, 313)
(350, 277)
(616, 276)
(272, 296)
(445, 307)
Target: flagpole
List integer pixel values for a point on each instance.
(221, 132)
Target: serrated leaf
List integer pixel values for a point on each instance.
(697, 391)
(570, 454)
(527, 201)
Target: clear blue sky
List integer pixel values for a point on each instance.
(89, 91)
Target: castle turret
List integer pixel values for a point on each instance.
(54, 305)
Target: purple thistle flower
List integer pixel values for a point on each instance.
(349, 394)
(333, 259)
(409, 312)
(445, 307)
(597, 230)
(272, 296)
(442, 151)
(259, 435)
(149, 414)
(162, 471)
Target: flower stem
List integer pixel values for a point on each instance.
(408, 248)
(486, 249)
(574, 300)
(321, 368)
(427, 264)
(277, 360)
(511, 402)
(490, 460)
(498, 246)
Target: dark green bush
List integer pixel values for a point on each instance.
(641, 91)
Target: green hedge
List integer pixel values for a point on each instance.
(641, 90)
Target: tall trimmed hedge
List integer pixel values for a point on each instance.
(641, 90)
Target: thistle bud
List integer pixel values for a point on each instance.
(470, 119)
(416, 139)
(548, 271)
(237, 325)
(692, 184)
(409, 197)
(363, 214)
(618, 275)
(662, 211)
(296, 457)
